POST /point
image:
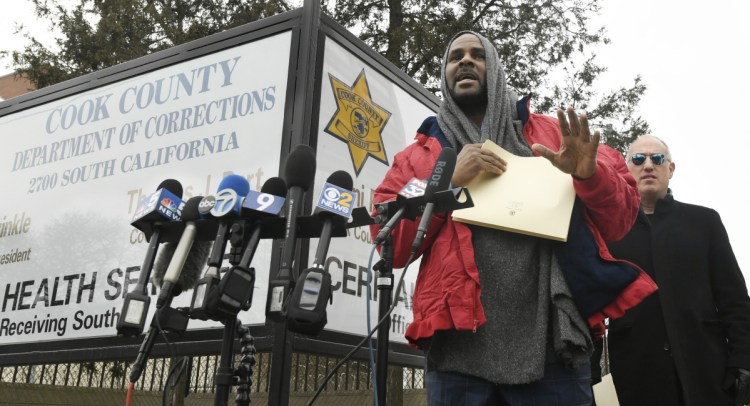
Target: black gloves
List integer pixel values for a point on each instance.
(737, 380)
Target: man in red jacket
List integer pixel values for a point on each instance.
(504, 318)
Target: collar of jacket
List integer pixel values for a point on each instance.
(664, 205)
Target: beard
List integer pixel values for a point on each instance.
(471, 103)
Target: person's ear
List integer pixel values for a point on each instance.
(671, 169)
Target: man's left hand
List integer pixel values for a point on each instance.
(577, 153)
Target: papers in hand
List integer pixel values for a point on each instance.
(532, 197)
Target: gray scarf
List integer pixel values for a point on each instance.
(498, 125)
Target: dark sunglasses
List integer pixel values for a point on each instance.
(656, 159)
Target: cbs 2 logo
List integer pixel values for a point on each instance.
(346, 199)
(343, 198)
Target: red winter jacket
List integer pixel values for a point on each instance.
(448, 289)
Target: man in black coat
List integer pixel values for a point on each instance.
(689, 343)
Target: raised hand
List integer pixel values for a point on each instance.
(577, 153)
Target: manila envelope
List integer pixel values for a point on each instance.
(532, 197)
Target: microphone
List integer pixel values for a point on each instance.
(235, 291)
(307, 308)
(259, 206)
(413, 192)
(299, 172)
(438, 181)
(163, 205)
(228, 199)
(179, 265)
(226, 206)
(334, 207)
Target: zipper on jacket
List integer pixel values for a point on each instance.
(476, 322)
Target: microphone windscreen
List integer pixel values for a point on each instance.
(166, 252)
(235, 182)
(172, 185)
(192, 271)
(299, 169)
(198, 254)
(442, 172)
(274, 186)
(341, 179)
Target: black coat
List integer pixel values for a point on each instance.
(695, 326)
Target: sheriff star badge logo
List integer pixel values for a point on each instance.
(358, 121)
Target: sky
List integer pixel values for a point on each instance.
(694, 58)
(22, 12)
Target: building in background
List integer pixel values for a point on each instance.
(12, 85)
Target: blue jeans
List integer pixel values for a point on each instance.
(560, 386)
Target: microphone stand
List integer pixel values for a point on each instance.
(244, 371)
(225, 376)
(444, 201)
(385, 290)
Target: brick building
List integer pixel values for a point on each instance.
(12, 86)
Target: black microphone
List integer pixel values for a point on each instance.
(299, 172)
(267, 203)
(163, 205)
(439, 180)
(152, 212)
(307, 308)
(334, 208)
(235, 291)
(179, 265)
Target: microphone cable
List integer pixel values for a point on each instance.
(131, 387)
(171, 353)
(129, 395)
(164, 336)
(176, 371)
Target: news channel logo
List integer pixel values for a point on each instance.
(336, 200)
(163, 201)
(170, 204)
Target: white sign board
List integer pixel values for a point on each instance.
(74, 169)
(365, 119)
